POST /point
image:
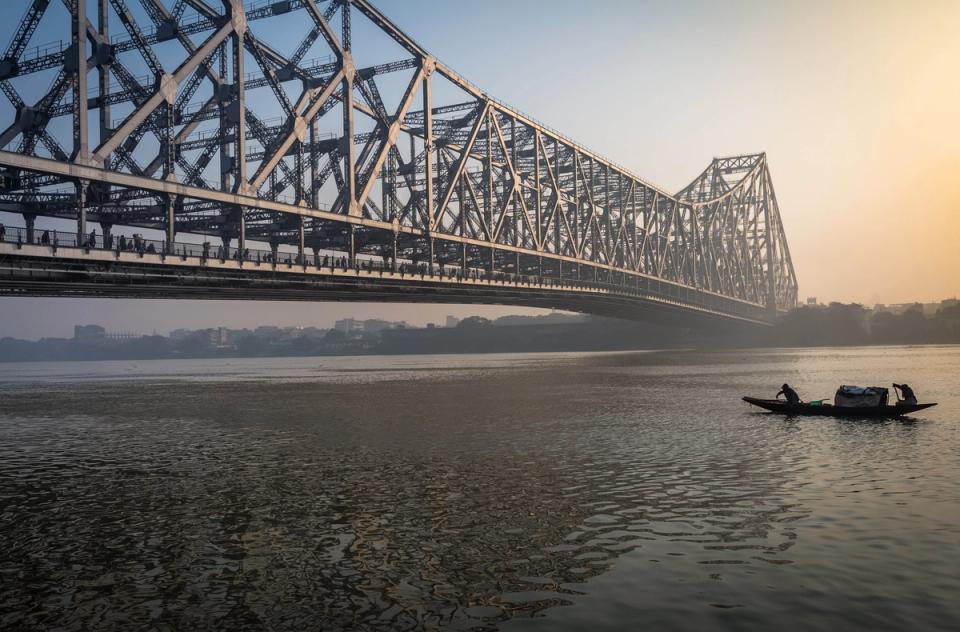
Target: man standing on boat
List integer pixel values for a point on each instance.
(790, 394)
(907, 394)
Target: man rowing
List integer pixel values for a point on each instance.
(789, 393)
(907, 396)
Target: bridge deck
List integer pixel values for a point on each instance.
(48, 270)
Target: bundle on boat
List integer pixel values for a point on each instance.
(861, 396)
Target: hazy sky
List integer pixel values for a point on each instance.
(856, 103)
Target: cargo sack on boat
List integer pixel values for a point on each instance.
(857, 396)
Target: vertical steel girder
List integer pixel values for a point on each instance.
(327, 164)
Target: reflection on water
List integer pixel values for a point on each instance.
(474, 493)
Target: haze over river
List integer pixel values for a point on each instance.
(515, 492)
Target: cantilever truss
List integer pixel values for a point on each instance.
(271, 122)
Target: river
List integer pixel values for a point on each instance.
(512, 492)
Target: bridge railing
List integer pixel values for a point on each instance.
(649, 289)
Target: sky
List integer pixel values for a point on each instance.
(855, 103)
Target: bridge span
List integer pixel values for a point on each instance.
(311, 150)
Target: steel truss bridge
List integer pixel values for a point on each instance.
(330, 157)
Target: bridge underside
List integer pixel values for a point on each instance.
(44, 270)
(190, 122)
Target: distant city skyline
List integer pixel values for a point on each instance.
(47, 322)
(33, 318)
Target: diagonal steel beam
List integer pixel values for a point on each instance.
(296, 132)
(392, 133)
(165, 92)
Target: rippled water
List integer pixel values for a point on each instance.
(514, 492)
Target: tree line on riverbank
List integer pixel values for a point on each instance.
(839, 324)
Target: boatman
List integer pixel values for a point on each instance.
(790, 394)
(907, 394)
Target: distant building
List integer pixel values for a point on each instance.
(122, 336)
(89, 334)
(180, 334)
(899, 308)
(811, 300)
(375, 325)
(369, 326)
(452, 321)
(348, 325)
(268, 332)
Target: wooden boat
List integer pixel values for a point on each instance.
(829, 410)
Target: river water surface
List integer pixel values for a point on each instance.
(514, 492)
